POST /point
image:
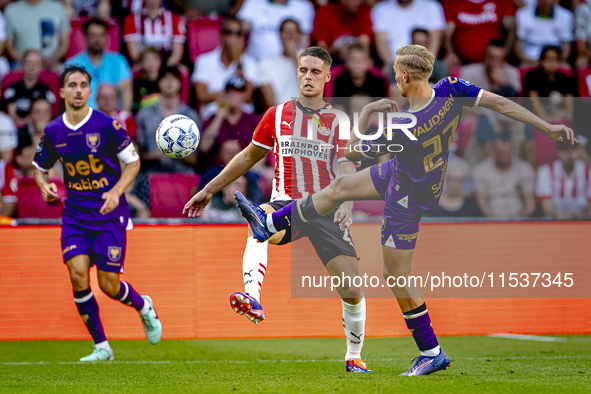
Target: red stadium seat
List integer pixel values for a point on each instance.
(31, 205)
(585, 82)
(48, 77)
(185, 80)
(78, 41)
(371, 208)
(203, 35)
(169, 192)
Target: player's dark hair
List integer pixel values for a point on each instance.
(94, 21)
(548, 48)
(318, 52)
(286, 21)
(71, 69)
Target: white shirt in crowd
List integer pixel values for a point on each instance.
(210, 71)
(8, 138)
(265, 18)
(536, 33)
(398, 22)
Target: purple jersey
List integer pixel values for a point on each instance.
(88, 152)
(420, 166)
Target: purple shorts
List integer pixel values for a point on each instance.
(105, 247)
(400, 223)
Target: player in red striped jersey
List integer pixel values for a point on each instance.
(303, 167)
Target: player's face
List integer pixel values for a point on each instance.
(312, 76)
(399, 76)
(76, 91)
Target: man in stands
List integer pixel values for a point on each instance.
(106, 99)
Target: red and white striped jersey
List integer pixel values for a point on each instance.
(303, 165)
(568, 193)
(159, 33)
(8, 182)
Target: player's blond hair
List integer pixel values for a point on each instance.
(416, 60)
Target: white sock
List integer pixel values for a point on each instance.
(145, 309)
(254, 266)
(270, 224)
(354, 324)
(432, 352)
(103, 345)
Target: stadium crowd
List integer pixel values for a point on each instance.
(224, 62)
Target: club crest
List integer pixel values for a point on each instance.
(114, 253)
(93, 141)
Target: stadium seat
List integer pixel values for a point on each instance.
(585, 82)
(31, 205)
(203, 35)
(169, 192)
(78, 41)
(371, 208)
(48, 77)
(185, 80)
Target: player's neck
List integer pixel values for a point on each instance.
(312, 102)
(418, 95)
(76, 116)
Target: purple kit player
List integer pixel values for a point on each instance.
(411, 183)
(90, 146)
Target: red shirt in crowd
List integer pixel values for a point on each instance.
(477, 23)
(127, 120)
(333, 22)
(8, 183)
(159, 33)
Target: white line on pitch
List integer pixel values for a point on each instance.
(520, 337)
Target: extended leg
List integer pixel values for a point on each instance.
(88, 308)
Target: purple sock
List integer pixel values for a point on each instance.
(282, 217)
(129, 296)
(295, 214)
(419, 324)
(89, 312)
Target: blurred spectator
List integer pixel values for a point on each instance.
(29, 134)
(471, 25)
(229, 123)
(551, 91)
(281, 70)
(196, 8)
(540, 26)
(565, 185)
(145, 86)
(4, 65)
(106, 98)
(8, 189)
(88, 8)
(156, 27)
(504, 184)
(148, 119)
(495, 74)
(137, 207)
(454, 202)
(20, 95)
(338, 25)
(8, 137)
(394, 20)
(37, 24)
(214, 69)
(356, 79)
(222, 207)
(104, 66)
(583, 34)
(262, 19)
(423, 37)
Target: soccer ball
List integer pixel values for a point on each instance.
(177, 136)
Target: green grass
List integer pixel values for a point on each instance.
(479, 365)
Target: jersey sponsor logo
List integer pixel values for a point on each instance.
(407, 237)
(84, 168)
(303, 147)
(114, 253)
(93, 141)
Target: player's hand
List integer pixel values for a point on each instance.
(197, 204)
(383, 105)
(111, 202)
(344, 215)
(49, 192)
(560, 132)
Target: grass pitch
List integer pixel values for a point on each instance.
(479, 365)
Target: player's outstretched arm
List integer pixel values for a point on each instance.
(111, 197)
(513, 110)
(241, 163)
(344, 215)
(48, 190)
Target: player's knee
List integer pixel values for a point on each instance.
(79, 280)
(109, 287)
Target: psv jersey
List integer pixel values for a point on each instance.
(306, 147)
